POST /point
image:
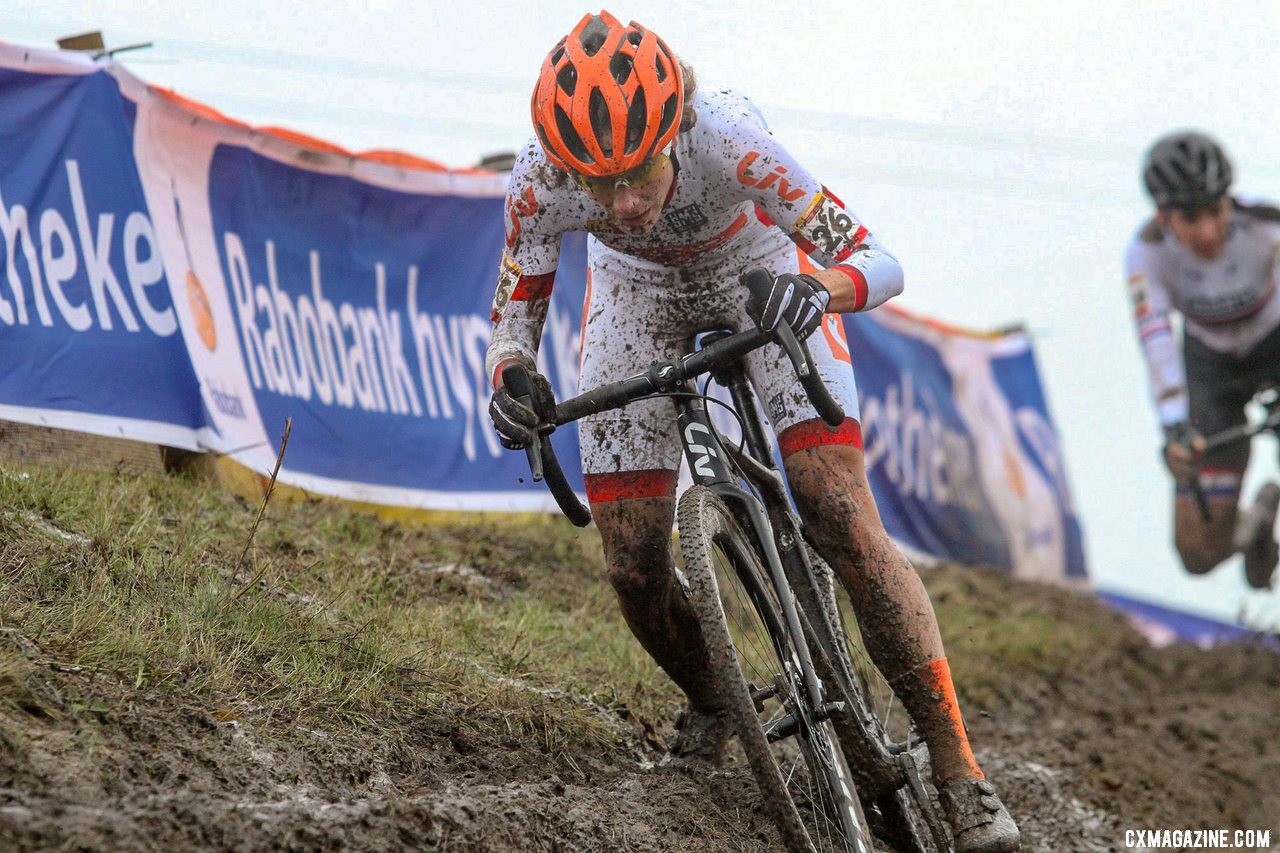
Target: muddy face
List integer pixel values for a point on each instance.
(635, 205)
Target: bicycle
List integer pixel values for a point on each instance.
(830, 749)
(1268, 397)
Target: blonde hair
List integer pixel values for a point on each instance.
(690, 115)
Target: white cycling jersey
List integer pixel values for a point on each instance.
(736, 199)
(736, 193)
(1229, 303)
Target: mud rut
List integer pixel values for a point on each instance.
(1131, 737)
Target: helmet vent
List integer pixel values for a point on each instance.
(571, 137)
(567, 79)
(601, 124)
(636, 120)
(621, 67)
(594, 35)
(669, 116)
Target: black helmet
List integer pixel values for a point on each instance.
(1186, 169)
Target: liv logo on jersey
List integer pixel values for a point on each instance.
(774, 178)
(517, 209)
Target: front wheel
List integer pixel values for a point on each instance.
(800, 770)
(875, 731)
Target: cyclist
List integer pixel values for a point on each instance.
(682, 190)
(1211, 257)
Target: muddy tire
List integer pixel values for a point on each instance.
(875, 732)
(804, 781)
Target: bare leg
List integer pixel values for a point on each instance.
(1202, 546)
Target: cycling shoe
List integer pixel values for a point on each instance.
(979, 821)
(701, 736)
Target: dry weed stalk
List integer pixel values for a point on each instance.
(262, 510)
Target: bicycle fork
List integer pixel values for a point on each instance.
(709, 465)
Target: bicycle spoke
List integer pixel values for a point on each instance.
(909, 814)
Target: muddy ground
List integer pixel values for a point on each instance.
(1120, 736)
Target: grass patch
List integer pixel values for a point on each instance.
(1001, 633)
(354, 621)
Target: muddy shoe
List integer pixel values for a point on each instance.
(979, 821)
(1255, 537)
(701, 737)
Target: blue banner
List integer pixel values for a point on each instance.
(961, 452)
(86, 318)
(362, 314)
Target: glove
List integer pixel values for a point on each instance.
(517, 424)
(795, 299)
(1183, 449)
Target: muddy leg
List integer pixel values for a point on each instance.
(1201, 545)
(894, 611)
(637, 546)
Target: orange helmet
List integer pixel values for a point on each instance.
(609, 97)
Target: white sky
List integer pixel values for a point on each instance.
(994, 147)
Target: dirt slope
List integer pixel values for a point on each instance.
(1087, 730)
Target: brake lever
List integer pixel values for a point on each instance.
(520, 386)
(794, 348)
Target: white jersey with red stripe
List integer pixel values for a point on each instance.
(1229, 302)
(737, 194)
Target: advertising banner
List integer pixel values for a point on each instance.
(963, 457)
(89, 337)
(351, 296)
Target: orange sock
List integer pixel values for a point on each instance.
(936, 675)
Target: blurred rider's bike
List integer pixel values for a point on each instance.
(832, 750)
(1269, 399)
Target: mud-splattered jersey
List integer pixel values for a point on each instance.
(1229, 303)
(736, 192)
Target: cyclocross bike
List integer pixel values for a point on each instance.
(832, 751)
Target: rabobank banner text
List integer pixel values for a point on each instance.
(175, 276)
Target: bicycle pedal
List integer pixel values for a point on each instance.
(782, 729)
(760, 694)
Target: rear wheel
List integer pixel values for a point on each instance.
(800, 769)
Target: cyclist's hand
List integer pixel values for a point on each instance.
(795, 299)
(517, 424)
(1183, 451)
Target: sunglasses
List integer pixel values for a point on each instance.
(632, 178)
